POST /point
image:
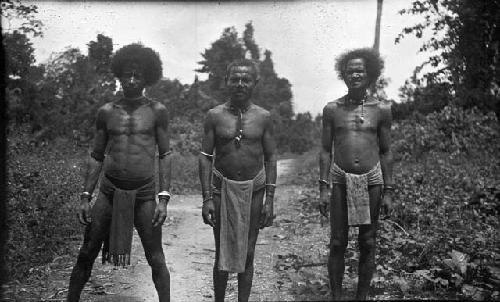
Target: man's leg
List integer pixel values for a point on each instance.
(245, 279)
(95, 233)
(367, 244)
(220, 277)
(338, 239)
(151, 242)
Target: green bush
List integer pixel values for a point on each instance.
(42, 189)
(453, 130)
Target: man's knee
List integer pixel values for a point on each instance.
(338, 244)
(156, 260)
(367, 242)
(86, 258)
(250, 258)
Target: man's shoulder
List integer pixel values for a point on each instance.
(219, 109)
(331, 105)
(107, 107)
(156, 105)
(261, 111)
(383, 104)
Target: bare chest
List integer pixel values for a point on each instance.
(132, 122)
(356, 118)
(248, 125)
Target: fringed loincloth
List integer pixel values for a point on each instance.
(118, 245)
(358, 200)
(235, 210)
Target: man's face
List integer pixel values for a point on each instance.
(241, 82)
(355, 74)
(132, 80)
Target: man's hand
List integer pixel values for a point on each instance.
(208, 212)
(84, 212)
(160, 213)
(324, 203)
(386, 209)
(267, 214)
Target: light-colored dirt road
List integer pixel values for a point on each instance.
(189, 252)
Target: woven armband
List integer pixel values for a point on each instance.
(97, 156)
(162, 156)
(206, 154)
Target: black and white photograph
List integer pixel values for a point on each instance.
(285, 150)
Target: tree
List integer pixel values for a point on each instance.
(250, 45)
(222, 52)
(20, 55)
(467, 54)
(100, 53)
(20, 18)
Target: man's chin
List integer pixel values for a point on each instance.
(239, 97)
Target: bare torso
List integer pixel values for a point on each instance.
(245, 161)
(355, 143)
(131, 140)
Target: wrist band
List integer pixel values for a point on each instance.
(324, 182)
(161, 156)
(97, 156)
(206, 154)
(85, 195)
(271, 185)
(164, 193)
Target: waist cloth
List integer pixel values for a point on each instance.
(235, 210)
(123, 194)
(357, 198)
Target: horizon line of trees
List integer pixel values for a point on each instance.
(61, 96)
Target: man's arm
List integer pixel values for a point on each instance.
(325, 158)
(94, 165)
(386, 161)
(205, 162)
(384, 134)
(163, 141)
(164, 163)
(269, 146)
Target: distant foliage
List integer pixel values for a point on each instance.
(464, 48)
(452, 130)
(42, 186)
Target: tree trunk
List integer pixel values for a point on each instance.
(376, 43)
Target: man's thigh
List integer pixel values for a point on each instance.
(255, 214)
(338, 213)
(143, 221)
(375, 194)
(98, 229)
(255, 210)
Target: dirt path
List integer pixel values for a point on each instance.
(189, 251)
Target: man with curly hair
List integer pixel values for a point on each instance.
(356, 158)
(128, 131)
(237, 168)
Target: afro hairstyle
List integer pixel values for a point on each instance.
(244, 62)
(145, 57)
(373, 62)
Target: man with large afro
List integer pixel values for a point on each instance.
(356, 159)
(132, 128)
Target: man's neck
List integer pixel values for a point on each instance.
(356, 96)
(243, 106)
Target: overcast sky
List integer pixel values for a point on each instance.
(304, 36)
